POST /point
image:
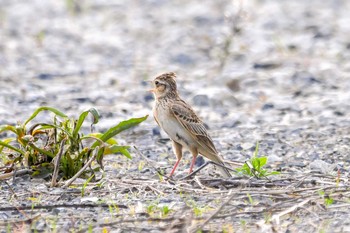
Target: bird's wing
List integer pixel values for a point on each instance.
(190, 121)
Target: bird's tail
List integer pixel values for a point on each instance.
(224, 171)
(216, 157)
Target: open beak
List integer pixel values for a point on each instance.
(150, 82)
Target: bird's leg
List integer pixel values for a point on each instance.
(194, 153)
(178, 152)
(174, 168)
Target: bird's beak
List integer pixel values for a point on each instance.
(150, 82)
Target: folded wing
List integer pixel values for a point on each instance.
(190, 121)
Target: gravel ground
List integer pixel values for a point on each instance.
(277, 72)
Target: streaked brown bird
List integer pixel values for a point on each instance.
(181, 123)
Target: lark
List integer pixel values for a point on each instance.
(181, 123)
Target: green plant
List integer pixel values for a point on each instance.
(251, 200)
(141, 165)
(254, 167)
(155, 209)
(243, 224)
(74, 7)
(34, 201)
(198, 210)
(90, 228)
(327, 199)
(85, 184)
(161, 178)
(42, 144)
(165, 210)
(113, 208)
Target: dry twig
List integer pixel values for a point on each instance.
(57, 164)
(50, 207)
(71, 180)
(15, 173)
(276, 217)
(150, 163)
(199, 227)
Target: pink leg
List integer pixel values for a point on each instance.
(178, 152)
(174, 168)
(192, 163)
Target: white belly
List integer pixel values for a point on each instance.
(173, 128)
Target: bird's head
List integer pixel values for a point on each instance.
(165, 85)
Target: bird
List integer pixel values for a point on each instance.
(179, 121)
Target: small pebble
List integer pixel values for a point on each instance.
(201, 100)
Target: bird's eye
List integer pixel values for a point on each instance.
(156, 82)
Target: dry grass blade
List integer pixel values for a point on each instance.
(50, 207)
(15, 173)
(203, 166)
(150, 163)
(137, 220)
(71, 180)
(57, 164)
(200, 226)
(276, 217)
(27, 221)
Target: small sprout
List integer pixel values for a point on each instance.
(327, 199)
(85, 184)
(165, 211)
(251, 201)
(113, 208)
(254, 167)
(149, 209)
(40, 36)
(161, 179)
(267, 217)
(141, 165)
(90, 228)
(227, 228)
(243, 223)
(155, 209)
(198, 210)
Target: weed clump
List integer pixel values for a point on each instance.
(59, 147)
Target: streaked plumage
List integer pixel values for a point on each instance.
(181, 123)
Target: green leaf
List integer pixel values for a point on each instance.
(4, 144)
(70, 166)
(262, 161)
(37, 111)
(256, 150)
(4, 128)
(45, 126)
(91, 137)
(99, 155)
(7, 141)
(124, 125)
(126, 153)
(85, 184)
(45, 152)
(273, 173)
(110, 141)
(116, 149)
(83, 115)
(255, 163)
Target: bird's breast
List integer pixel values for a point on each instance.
(172, 126)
